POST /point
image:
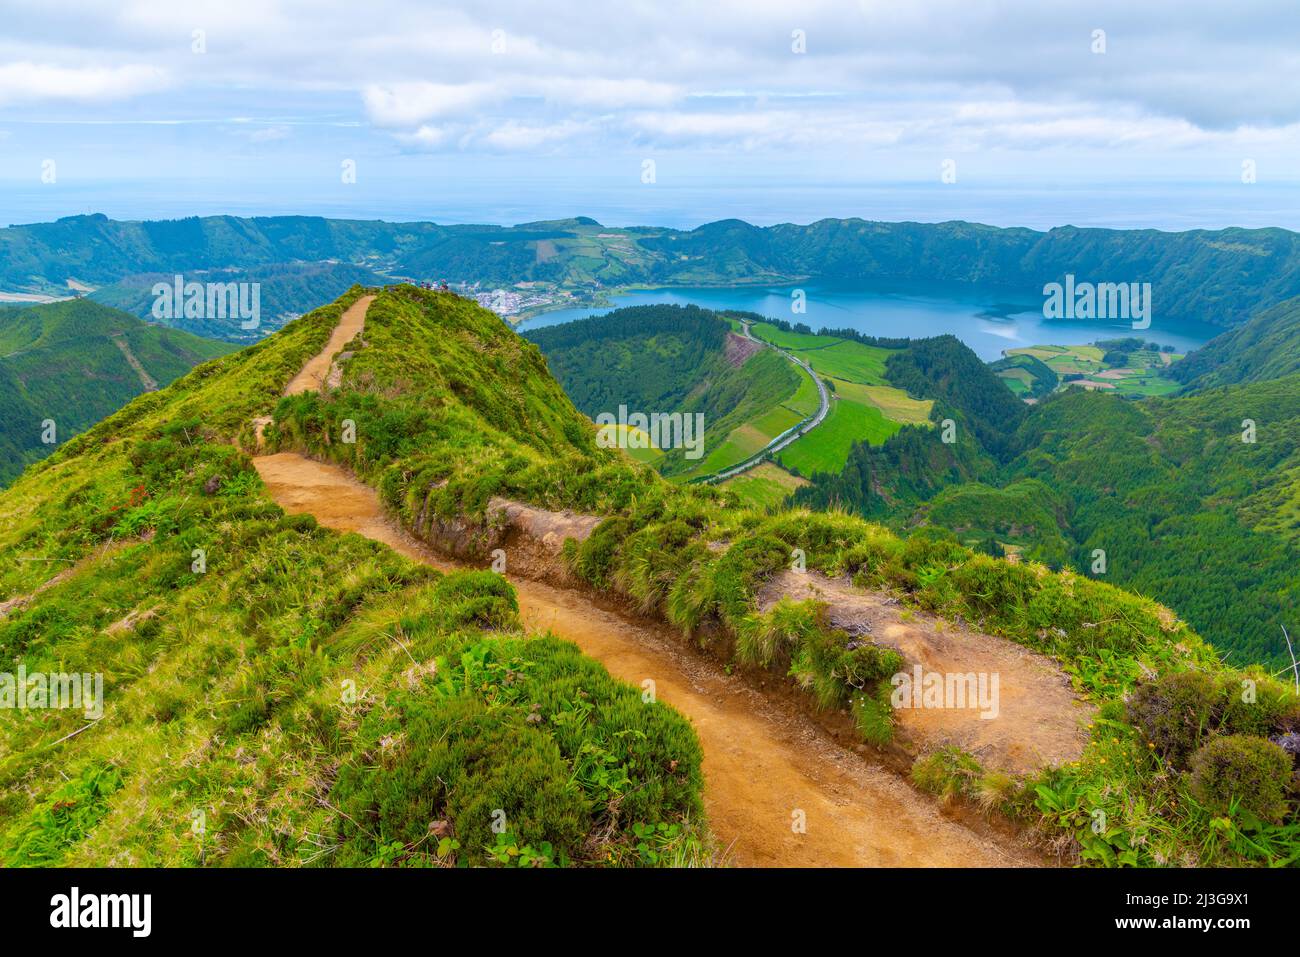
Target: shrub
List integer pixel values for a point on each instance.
(430, 759)
(1175, 712)
(477, 599)
(873, 715)
(1252, 771)
(946, 773)
(764, 639)
(1272, 708)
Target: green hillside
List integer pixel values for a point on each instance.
(1184, 509)
(670, 359)
(227, 696)
(263, 693)
(657, 550)
(1267, 347)
(68, 362)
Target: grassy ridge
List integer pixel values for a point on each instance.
(302, 697)
(451, 408)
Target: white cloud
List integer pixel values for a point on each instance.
(522, 136)
(426, 137)
(408, 104)
(27, 81)
(930, 74)
(606, 92)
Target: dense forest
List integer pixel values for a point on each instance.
(1267, 347)
(66, 363)
(1194, 500)
(644, 357)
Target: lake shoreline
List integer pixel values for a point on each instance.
(988, 319)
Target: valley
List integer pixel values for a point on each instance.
(66, 365)
(848, 540)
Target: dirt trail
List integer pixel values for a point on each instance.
(149, 383)
(762, 763)
(1038, 720)
(315, 373)
(765, 766)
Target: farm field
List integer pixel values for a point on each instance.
(764, 485)
(826, 448)
(791, 340)
(896, 404)
(848, 360)
(864, 407)
(1087, 367)
(805, 399)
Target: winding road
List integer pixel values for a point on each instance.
(790, 434)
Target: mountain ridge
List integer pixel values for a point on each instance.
(75, 362)
(1255, 267)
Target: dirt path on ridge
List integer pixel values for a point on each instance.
(765, 766)
(761, 763)
(317, 370)
(1038, 720)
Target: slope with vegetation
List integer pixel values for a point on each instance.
(275, 693)
(1267, 347)
(1186, 502)
(675, 359)
(692, 556)
(75, 362)
(308, 697)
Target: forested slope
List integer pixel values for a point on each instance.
(67, 364)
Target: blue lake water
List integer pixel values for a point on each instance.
(986, 319)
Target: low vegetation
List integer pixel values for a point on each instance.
(279, 694)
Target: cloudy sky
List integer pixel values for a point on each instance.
(1097, 112)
